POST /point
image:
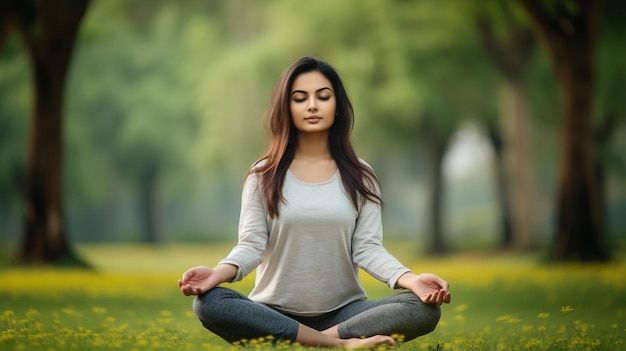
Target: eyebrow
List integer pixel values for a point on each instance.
(317, 91)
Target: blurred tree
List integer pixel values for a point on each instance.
(569, 31)
(610, 111)
(449, 72)
(509, 43)
(501, 181)
(48, 30)
(14, 101)
(141, 133)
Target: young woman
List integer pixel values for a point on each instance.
(310, 218)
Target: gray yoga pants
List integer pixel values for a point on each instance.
(234, 317)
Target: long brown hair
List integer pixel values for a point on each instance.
(359, 181)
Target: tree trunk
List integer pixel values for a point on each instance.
(579, 231)
(602, 136)
(45, 238)
(502, 188)
(49, 35)
(436, 149)
(518, 164)
(569, 34)
(511, 57)
(148, 204)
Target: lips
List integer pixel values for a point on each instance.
(313, 118)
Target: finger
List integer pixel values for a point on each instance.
(441, 298)
(429, 298)
(188, 275)
(188, 290)
(438, 297)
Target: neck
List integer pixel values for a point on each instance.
(313, 146)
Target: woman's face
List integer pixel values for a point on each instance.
(312, 103)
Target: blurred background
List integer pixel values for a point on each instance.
(461, 108)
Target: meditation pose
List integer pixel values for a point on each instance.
(310, 219)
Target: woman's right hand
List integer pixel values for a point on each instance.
(198, 280)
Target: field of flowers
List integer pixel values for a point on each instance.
(132, 302)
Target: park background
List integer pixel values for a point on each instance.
(496, 128)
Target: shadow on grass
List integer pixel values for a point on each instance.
(11, 258)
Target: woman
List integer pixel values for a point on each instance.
(310, 217)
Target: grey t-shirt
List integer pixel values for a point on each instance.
(307, 258)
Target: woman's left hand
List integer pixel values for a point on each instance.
(427, 286)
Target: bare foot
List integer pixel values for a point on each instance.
(369, 343)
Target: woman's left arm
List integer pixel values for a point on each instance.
(370, 254)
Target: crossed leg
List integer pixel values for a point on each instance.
(228, 314)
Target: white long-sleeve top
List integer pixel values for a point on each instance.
(307, 258)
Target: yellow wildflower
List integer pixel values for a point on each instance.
(460, 308)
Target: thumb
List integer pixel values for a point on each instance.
(444, 284)
(437, 280)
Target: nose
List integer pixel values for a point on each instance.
(312, 104)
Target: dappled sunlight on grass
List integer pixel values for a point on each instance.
(91, 284)
(132, 302)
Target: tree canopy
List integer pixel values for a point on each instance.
(165, 101)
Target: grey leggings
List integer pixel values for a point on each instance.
(234, 317)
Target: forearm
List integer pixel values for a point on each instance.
(226, 272)
(406, 281)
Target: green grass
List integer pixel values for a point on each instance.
(500, 302)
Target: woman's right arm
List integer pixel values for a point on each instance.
(199, 280)
(245, 256)
(253, 231)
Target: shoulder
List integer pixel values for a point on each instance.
(254, 173)
(257, 165)
(256, 169)
(370, 178)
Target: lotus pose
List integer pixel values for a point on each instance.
(310, 218)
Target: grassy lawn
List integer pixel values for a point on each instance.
(132, 302)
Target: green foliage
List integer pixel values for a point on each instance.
(14, 99)
(178, 90)
(196, 82)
